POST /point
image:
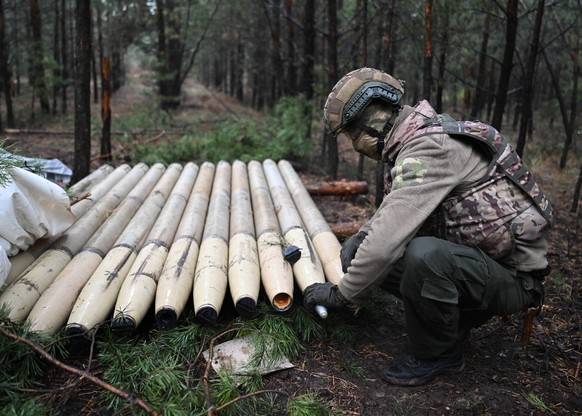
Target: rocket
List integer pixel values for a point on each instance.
(211, 275)
(276, 272)
(244, 274)
(307, 269)
(177, 279)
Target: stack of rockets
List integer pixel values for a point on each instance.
(163, 235)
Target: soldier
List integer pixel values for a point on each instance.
(459, 235)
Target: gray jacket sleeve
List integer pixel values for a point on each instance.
(425, 172)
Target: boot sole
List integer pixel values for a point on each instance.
(419, 381)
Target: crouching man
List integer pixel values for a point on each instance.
(459, 235)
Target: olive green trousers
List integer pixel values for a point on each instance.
(449, 288)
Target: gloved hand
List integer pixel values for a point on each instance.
(349, 249)
(324, 294)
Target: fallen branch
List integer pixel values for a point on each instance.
(82, 373)
(80, 198)
(206, 380)
(206, 377)
(338, 188)
(342, 230)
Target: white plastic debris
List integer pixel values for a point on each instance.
(32, 208)
(237, 355)
(52, 169)
(4, 266)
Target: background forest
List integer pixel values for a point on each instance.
(259, 72)
(514, 64)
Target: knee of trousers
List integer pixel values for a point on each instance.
(425, 258)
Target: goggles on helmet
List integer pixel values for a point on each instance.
(364, 95)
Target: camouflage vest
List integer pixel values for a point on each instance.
(493, 214)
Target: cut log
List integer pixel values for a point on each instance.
(343, 230)
(338, 188)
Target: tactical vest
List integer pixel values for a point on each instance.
(491, 215)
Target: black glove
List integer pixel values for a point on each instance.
(349, 249)
(324, 294)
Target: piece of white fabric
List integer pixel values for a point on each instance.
(4, 266)
(32, 207)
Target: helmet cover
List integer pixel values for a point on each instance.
(355, 91)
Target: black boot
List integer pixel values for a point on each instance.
(410, 371)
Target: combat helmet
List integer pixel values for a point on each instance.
(355, 91)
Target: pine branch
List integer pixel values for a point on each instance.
(246, 396)
(206, 377)
(82, 373)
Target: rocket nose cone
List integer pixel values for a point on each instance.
(124, 325)
(246, 306)
(74, 330)
(282, 302)
(208, 314)
(166, 318)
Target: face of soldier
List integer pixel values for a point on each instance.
(375, 117)
(367, 145)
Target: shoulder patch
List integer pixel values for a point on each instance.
(409, 172)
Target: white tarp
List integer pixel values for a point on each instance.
(52, 169)
(32, 207)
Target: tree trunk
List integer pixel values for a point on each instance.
(5, 73)
(64, 57)
(363, 27)
(387, 54)
(173, 62)
(239, 70)
(95, 64)
(105, 110)
(169, 54)
(56, 57)
(38, 57)
(480, 91)
(569, 120)
(428, 51)
(291, 64)
(442, 65)
(526, 105)
(332, 76)
(273, 21)
(507, 64)
(82, 156)
(577, 192)
(309, 48)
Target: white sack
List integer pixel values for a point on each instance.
(4, 266)
(32, 207)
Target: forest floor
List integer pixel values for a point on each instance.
(501, 377)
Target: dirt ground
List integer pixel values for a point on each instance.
(500, 378)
